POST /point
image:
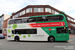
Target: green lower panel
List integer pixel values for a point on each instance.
(62, 37)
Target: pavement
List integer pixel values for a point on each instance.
(71, 38)
(71, 35)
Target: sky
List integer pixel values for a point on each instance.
(10, 6)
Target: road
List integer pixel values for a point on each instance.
(25, 45)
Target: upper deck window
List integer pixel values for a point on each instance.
(31, 20)
(18, 21)
(24, 20)
(54, 18)
(39, 19)
(11, 21)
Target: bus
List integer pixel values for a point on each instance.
(38, 28)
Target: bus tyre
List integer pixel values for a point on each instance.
(17, 38)
(51, 39)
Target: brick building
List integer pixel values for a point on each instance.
(5, 23)
(3, 17)
(34, 10)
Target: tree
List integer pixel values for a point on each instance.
(61, 12)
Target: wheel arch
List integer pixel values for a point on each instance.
(51, 36)
(16, 37)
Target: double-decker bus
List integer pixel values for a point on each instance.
(38, 28)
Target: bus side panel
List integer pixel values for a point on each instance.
(40, 36)
(51, 31)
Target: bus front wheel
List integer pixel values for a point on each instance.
(16, 38)
(51, 39)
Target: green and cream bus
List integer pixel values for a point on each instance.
(38, 28)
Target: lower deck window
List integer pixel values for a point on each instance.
(26, 31)
(62, 30)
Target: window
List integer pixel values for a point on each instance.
(18, 21)
(24, 20)
(62, 30)
(11, 21)
(56, 12)
(68, 18)
(12, 31)
(54, 18)
(38, 10)
(48, 10)
(31, 20)
(13, 17)
(72, 24)
(17, 15)
(72, 20)
(53, 11)
(39, 19)
(35, 9)
(41, 10)
(28, 10)
(2, 18)
(22, 13)
(26, 31)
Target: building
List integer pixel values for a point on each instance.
(3, 17)
(1, 23)
(5, 23)
(34, 10)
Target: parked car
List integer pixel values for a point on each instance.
(2, 36)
